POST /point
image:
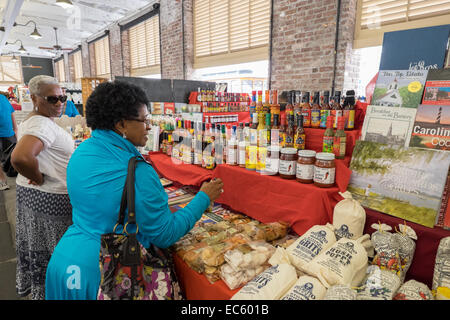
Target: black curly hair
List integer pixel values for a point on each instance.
(113, 101)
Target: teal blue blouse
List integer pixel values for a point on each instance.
(95, 179)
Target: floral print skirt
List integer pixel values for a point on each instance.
(41, 220)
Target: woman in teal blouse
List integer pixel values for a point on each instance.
(117, 112)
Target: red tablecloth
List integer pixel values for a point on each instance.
(197, 287)
(271, 198)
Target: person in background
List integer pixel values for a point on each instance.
(117, 112)
(8, 131)
(43, 209)
(70, 109)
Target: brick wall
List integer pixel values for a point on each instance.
(115, 51)
(303, 42)
(71, 75)
(171, 35)
(93, 70)
(85, 59)
(126, 53)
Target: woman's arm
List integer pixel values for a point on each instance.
(13, 119)
(23, 158)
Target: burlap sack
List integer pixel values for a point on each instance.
(414, 290)
(343, 263)
(311, 244)
(349, 218)
(340, 292)
(271, 284)
(441, 275)
(378, 285)
(306, 288)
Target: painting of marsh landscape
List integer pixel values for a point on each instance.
(403, 182)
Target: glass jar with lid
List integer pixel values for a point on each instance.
(324, 170)
(288, 162)
(305, 166)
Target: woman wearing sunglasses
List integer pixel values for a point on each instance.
(117, 113)
(43, 207)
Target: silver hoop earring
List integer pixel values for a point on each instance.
(124, 135)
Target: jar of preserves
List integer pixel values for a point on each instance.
(324, 170)
(272, 161)
(288, 161)
(305, 166)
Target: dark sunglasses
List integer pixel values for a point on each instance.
(54, 99)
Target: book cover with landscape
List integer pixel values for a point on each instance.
(388, 125)
(399, 88)
(437, 87)
(431, 127)
(407, 183)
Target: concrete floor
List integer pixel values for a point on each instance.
(7, 242)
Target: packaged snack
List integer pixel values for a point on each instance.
(251, 230)
(345, 262)
(271, 284)
(441, 275)
(394, 251)
(340, 292)
(306, 288)
(349, 218)
(378, 285)
(414, 290)
(310, 244)
(274, 230)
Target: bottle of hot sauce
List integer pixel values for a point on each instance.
(289, 106)
(315, 111)
(296, 103)
(274, 107)
(349, 110)
(290, 132)
(340, 140)
(325, 109)
(336, 108)
(299, 137)
(306, 110)
(282, 132)
(259, 104)
(328, 136)
(266, 105)
(275, 131)
(253, 105)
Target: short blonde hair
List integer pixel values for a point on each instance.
(37, 82)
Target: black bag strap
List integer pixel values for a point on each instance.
(128, 196)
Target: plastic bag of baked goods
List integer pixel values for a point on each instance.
(441, 275)
(310, 244)
(274, 230)
(414, 290)
(271, 284)
(378, 285)
(235, 278)
(349, 218)
(345, 262)
(306, 288)
(340, 292)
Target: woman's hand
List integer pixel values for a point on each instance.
(213, 188)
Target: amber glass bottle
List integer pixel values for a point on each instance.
(306, 110)
(289, 143)
(300, 136)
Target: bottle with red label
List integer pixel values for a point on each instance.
(306, 110)
(328, 136)
(340, 139)
(336, 108)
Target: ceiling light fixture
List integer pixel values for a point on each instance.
(14, 59)
(21, 49)
(35, 34)
(64, 3)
